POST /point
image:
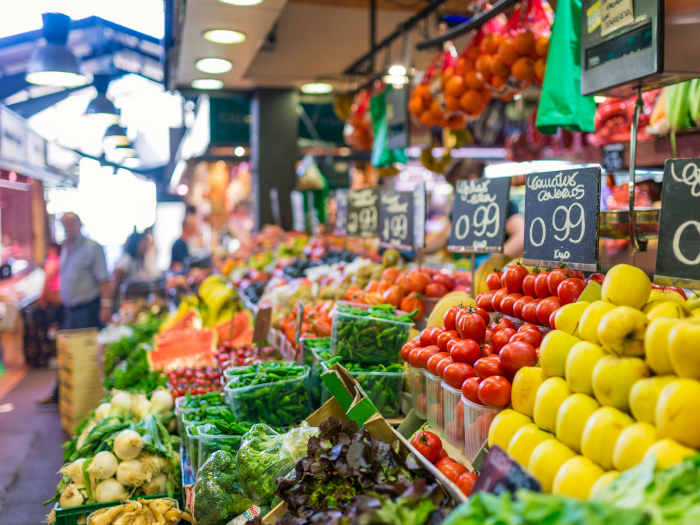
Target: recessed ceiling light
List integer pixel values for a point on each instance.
(239, 151)
(316, 88)
(207, 83)
(242, 2)
(224, 36)
(213, 65)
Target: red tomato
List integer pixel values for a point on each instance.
(488, 366)
(416, 281)
(428, 445)
(443, 454)
(405, 349)
(466, 482)
(488, 335)
(448, 320)
(545, 309)
(496, 299)
(504, 322)
(530, 311)
(433, 361)
(569, 289)
(552, 319)
(413, 356)
(529, 284)
(528, 326)
(456, 373)
(494, 391)
(555, 277)
(513, 278)
(493, 281)
(484, 300)
(465, 351)
(435, 289)
(597, 277)
(470, 325)
(450, 468)
(445, 337)
(393, 296)
(483, 313)
(516, 355)
(509, 301)
(501, 338)
(429, 335)
(488, 349)
(447, 280)
(534, 337)
(424, 355)
(520, 304)
(541, 286)
(470, 389)
(444, 363)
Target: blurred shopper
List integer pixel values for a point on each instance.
(47, 315)
(180, 253)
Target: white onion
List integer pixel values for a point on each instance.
(71, 496)
(109, 490)
(132, 473)
(154, 463)
(158, 485)
(74, 471)
(127, 444)
(121, 401)
(84, 434)
(140, 405)
(102, 411)
(103, 466)
(161, 401)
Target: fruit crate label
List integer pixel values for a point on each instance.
(363, 212)
(562, 213)
(402, 218)
(678, 255)
(479, 215)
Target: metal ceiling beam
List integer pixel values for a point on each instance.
(35, 105)
(12, 84)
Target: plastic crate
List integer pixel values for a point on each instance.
(477, 420)
(77, 515)
(433, 397)
(352, 332)
(382, 388)
(416, 385)
(210, 443)
(177, 504)
(453, 414)
(279, 404)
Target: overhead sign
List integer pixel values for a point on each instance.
(479, 215)
(363, 212)
(402, 218)
(562, 212)
(678, 255)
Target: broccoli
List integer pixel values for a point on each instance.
(218, 498)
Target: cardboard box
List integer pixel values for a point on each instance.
(350, 402)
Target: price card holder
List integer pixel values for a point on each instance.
(363, 212)
(261, 327)
(562, 213)
(402, 218)
(678, 256)
(479, 216)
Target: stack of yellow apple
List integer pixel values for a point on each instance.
(617, 380)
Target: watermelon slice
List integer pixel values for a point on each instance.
(238, 329)
(183, 348)
(189, 320)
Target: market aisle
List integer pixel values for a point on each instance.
(30, 450)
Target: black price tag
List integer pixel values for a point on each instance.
(678, 256)
(613, 157)
(363, 212)
(479, 215)
(402, 218)
(562, 212)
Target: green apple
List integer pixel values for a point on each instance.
(621, 331)
(626, 285)
(588, 324)
(613, 378)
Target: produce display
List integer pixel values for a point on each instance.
(218, 496)
(429, 446)
(147, 511)
(194, 380)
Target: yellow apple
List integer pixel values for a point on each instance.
(550, 395)
(664, 309)
(656, 344)
(592, 292)
(524, 389)
(576, 478)
(673, 295)
(588, 324)
(684, 349)
(600, 433)
(580, 362)
(668, 453)
(632, 444)
(553, 352)
(571, 418)
(695, 313)
(626, 285)
(621, 331)
(524, 442)
(613, 378)
(568, 316)
(678, 412)
(656, 295)
(644, 396)
(504, 425)
(603, 481)
(546, 460)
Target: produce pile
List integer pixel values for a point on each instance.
(161, 510)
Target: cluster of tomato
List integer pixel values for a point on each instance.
(229, 354)
(194, 380)
(532, 297)
(317, 321)
(407, 289)
(429, 446)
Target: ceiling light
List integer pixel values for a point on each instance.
(101, 108)
(116, 135)
(53, 64)
(181, 189)
(224, 36)
(239, 151)
(125, 149)
(316, 88)
(397, 70)
(213, 65)
(207, 83)
(241, 2)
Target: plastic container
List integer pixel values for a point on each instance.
(366, 339)
(477, 420)
(433, 397)
(210, 443)
(382, 388)
(192, 445)
(416, 385)
(453, 414)
(316, 370)
(279, 404)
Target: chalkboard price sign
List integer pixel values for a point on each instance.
(362, 212)
(562, 211)
(479, 215)
(402, 218)
(678, 256)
